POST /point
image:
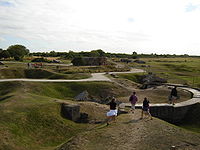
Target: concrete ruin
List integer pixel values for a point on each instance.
(70, 111)
(172, 113)
(151, 80)
(89, 61)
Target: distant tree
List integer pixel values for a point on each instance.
(70, 55)
(4, 54)
(18, 51)
(134, 55)
(101, 52)
(94, 53)
(53, 54)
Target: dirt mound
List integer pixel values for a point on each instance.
(131, 133)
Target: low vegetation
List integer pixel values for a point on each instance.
(175, 70)
(135, 77)
(30, 112)
(39, 74)
(30, 116)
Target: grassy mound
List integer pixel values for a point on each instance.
(30, 118)
(39, 74)
(129, 132)
(70, 90)
(135, 77)
(28, 125)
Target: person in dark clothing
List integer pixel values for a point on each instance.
(133, 99)
(111, 115)
(145, 108)
(173, 96)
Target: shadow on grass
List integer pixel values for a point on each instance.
(132, 121)
(5, 97)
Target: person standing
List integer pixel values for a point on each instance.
(111, 115)
(145, 108)
(29, 65)
(173, 96)
(133, 99)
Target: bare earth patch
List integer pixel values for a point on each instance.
(158, 95)
(131, 133)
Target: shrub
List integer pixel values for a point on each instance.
(40, 60)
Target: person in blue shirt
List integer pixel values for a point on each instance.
(145, 108)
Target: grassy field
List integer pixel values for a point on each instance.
(30, 114)
(175, 70)
(30, 121)
(8, 73)
(135, 77)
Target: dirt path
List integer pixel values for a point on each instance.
(131, 133)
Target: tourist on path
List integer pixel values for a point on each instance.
(111, 115)
(145, 108)
(133, 99)
(173, 96)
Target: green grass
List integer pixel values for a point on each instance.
(34, 126)
(39, 74)
(71, 89)
(30, 118)
(135, 77)
(30, 121)
(175, 70)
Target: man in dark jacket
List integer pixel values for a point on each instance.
(173, 95)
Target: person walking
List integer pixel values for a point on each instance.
(133, 99)
(111, 115)
(173, 96)
(145, 108)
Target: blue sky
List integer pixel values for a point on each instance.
(5, 3)
(124, 26)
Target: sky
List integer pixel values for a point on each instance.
(117, 26)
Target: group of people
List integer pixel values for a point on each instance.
(111, 115)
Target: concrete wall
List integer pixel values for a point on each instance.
(71, 112)
(170, 113)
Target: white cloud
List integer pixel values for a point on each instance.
(113, 25)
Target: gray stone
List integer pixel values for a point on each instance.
(151, 80)
(122, 111)
(71, 112)
(83, 96)
(140, 61)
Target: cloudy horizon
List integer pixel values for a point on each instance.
(117, 26)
